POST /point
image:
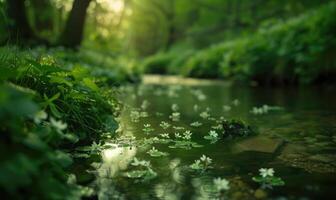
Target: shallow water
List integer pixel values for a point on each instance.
(298, 141)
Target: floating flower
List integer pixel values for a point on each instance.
(175, 116)
(264, 172)
(205, 115)
(187, 135)
(165, 135)
(196, 124)
(164, 125)
(221, 184)
(206, 159)
(175, 107)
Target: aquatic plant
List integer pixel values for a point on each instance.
(264, 109)
(175, 107)
(143, 171)
(165, 135)
(205, 115)
(184, 141)
(175, 116)
(187, 135)
(201, 164)
(144, 114)
(196, 124)
(221, 184)
(144, 104)
(156, 153)
(147, 128)
(213, 136)
(178, 128)
(165, 125)
(218, 126)
(267, 179)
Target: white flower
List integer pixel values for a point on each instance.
(196, 124)
(175, 107)
(264, 172)
(206, 159)
(177, 135)
(40, 116)
(165, 135)
(59, 125)
(213, 134)
(147, 125)
(164, 125)
(205, 115)
(175, 116)
(226, 108)
(187, 135)
(221, 184)
(144, 104)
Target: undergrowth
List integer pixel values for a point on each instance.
(298, 50)
(48, 109)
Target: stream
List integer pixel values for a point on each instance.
(295, 136)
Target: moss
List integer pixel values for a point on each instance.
(236, 128)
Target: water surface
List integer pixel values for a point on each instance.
(298, 141)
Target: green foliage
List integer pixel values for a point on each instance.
(236, 128)
(46, 111)
(157, 64)
(298, 49)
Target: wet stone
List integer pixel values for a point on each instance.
(259, 144)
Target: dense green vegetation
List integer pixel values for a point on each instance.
(298, 49)
(48, 108)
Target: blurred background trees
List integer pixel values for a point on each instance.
(140, 27)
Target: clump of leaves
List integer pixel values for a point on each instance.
(236, 128)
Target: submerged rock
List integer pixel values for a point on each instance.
(296, 155)
(259, 144)
(236, 128)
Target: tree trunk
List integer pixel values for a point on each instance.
(19, 29)
(72, 35)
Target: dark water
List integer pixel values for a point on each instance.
(298, 141)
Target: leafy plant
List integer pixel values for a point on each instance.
(267, 178)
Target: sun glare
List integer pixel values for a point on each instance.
(116, 5)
